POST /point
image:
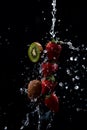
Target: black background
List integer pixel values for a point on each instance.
(25, 20)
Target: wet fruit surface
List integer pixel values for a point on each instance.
(53, 51)
(48, 68)
(48, 86)
(52, 102)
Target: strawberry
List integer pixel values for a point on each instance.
(54, 67)
(53, 50)
(52, 102)
(47, 86)
(48, 68)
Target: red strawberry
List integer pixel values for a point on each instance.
(52, 102)
(47, 86)
(49, 68)
(54, 67)
(53, 50)
(46, 69)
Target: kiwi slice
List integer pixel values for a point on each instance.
(34, 52)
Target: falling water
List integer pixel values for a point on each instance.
(52, 30)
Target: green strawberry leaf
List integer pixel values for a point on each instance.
(52, 78)
(47, 96)
(53, 40)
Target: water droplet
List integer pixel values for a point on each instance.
(83, 66)
(27, 68)
(77, 77)
(49, 126)
(45, 51)
(25, 91)
(21, 90)
(82, 89)
(42, 56)
(45, 59)
(68, 71)
(61, 84)
(66, 29)
(44, 19)
(84, 58)
(22, 127)
(42, 12)
(22, 74)
(71, 58)
(82, 45)
(9, 28)
(76, 87)
(64, 97)
(66, 87)
(75, 59)
(65, 83)
(59, 20)
(5, 128)
(86, 48)
(76, 70)
(77, 109)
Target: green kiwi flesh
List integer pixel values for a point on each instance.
(34, 52)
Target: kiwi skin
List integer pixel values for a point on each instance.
(39, 46)
(34, 88)
(39, 49)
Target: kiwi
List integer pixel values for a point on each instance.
(34, 52)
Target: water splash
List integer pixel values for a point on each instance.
(70, 44)
(71, 72)
(25, 122)
(39, 116)
(52, 30)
